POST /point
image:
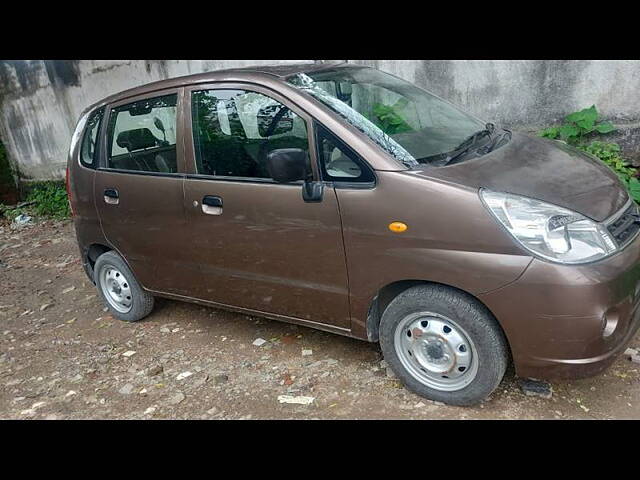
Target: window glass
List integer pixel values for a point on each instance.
(142, 135)
(89, 148)
(409, 123)
(339, 162)
(235, 130)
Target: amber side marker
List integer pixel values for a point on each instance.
(397, 227)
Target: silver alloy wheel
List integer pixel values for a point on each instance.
(436, 351)
(116, 288)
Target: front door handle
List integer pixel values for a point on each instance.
(111, 196)
(212, 205)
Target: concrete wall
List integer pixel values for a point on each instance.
(40, 100)
(527, 93)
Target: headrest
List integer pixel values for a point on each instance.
(136, 139)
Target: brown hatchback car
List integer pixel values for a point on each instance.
(343, 198)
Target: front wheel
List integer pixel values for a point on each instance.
(119, 289)
(443, 344)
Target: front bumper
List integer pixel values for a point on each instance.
(570, 321)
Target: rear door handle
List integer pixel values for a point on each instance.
(212, 205)
(111, 196)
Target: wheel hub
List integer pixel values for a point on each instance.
(436, 351)
(116, 288)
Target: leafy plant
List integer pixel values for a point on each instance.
(577, 125)
(50, 199)
(388, 118)
(46, 199)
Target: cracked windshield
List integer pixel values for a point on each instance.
(412, 125)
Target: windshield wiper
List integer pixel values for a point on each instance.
(493, 144)
(469, 142)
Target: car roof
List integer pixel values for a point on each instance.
(251, 74)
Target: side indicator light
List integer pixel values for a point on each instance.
(397, 227)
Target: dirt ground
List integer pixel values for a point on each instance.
(63, 357)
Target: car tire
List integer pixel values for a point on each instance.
(119, 289)
(443, 344)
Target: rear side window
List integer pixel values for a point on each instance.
(142, 136)
(234, 131)
(89, 147)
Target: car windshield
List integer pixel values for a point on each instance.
(406, 121)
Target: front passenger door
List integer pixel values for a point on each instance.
(259, 244)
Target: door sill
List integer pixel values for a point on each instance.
(273, 316)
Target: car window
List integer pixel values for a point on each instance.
(89, 147)
(142, 135)
(339, 162)
(235, 130)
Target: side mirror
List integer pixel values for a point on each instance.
(286, 165)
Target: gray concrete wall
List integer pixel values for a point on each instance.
(527, 93)
(40, 100)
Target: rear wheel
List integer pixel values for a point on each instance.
(119, 289)
(443, 344)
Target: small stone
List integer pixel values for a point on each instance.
(128, 353)
(306, 353)
(630, 352)
(536, 388)
(390, 373)
(71, 393)
(154, 370)
(126, 390)
(149, 410)
(165, 330)
(440, 404)
(222, 378)
(183, 375)
(143, 392)
(176, 330)
(635, 358)
(418, 405)
(45, 306)
(383, 364)
(258, 342)
(70, 289)
(176, 398)
(212, 411)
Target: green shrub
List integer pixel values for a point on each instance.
(577, 125)
(44, 199)
(389, 119)
(50, 199)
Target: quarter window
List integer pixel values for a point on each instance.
(89, 147)
(339, 162)
(142, 135)
(235, 130)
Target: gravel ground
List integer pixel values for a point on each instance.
(62, 356)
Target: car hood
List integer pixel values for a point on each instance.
(544, 169)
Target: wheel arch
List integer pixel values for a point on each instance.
(390, 291)
(90, 255)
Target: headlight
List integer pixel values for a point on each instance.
(549, 231)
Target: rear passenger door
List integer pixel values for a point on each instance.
(259, 244)
(138, 190)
